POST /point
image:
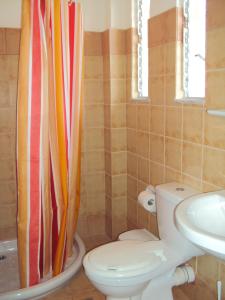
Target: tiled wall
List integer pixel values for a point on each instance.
(168, 141)
(9, 50)
(114, 65)
(92, 212)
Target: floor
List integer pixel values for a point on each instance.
(80, 287)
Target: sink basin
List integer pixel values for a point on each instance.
(201, 219)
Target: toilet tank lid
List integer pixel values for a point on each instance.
(175, 191)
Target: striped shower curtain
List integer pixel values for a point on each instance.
(48, 135)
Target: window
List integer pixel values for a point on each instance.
(194, 40)
(143, 8)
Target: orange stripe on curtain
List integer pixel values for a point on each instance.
(22, 117)
(49, 124)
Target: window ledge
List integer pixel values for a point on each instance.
(191, 100)
(145, 99)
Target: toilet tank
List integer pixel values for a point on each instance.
(167, 197)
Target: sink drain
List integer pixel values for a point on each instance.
(2, 257)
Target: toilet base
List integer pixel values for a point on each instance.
(159, 288)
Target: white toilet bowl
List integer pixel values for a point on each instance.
(142, 267)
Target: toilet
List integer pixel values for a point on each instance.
(139, 266)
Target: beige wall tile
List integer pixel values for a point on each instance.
(94, 138)
(13, 92)
(163, 27)
(4, 94)
(8, 216)
(119, 185)
(132, 187)
(95, 204)
(157, 54)
(107, 116)
(8, 192)
(118, 115)
(222, 277)
(7, 121)
(208, 268)
(132, 211)
(95, 183)
(156, 173)
(8, 169)
(12, 40)
(132, 164)
(157, 120)
(96, 224)
(94, 116)
(108, 185)
(95, 161)
(8, 233)
(92, 43)
(93, 67)
(105, 43)
(119, 163)
(117, 41)
(170, 58)
(215, 89)
(119, 139)
(193, 124)
(157, 148)
(192, 159)
(118, 66)
(108, 162)
(143, 118)
(2, 41)
(143, 170)
(131, 40)
(107, 139)
(131, 140)
(132, 116)
(93, 91)
(215, 56)
(215, 14)
(106, 67)
(156, 90)
(214, 131)
(214, 166)
(118, 91)
(170, 90)
(131, 66)
(172, 175)
(173, 153)
(8, 146)
(193, 182)
(173, 122)
(142, 217)
(143, 144)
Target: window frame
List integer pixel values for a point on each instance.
(185, 98)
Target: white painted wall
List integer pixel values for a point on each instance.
(99, 15)
(10, 12)
(96, 14)
(159, 6)
(121, 12)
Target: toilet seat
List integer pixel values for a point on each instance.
(126, 258)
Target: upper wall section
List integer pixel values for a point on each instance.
(10, 13)
(99, 15)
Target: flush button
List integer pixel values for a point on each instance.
(179, 189)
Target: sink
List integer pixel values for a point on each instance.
(201, 220)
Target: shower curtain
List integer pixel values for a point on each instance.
(48, 135)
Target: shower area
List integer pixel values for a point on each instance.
(40, 201)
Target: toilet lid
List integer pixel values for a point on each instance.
(127, 256)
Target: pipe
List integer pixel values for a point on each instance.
(183, 274)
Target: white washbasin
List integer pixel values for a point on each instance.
(201, 219)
